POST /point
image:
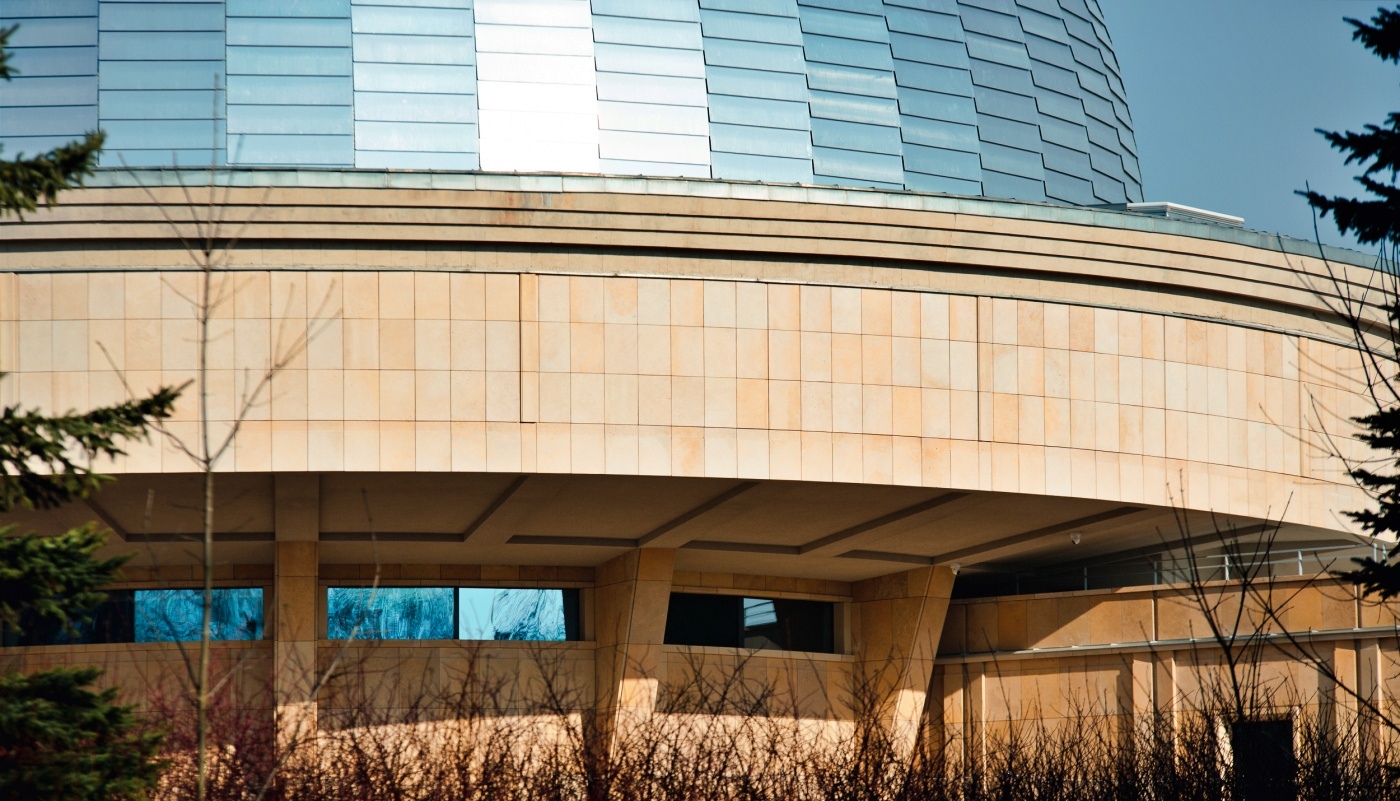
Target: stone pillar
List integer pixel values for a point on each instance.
(1375, 741)
(632, 594)
(297, 521)
(896, 624)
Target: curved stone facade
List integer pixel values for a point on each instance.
(1003, 99)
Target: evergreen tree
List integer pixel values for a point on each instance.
(60, 739)
(1375, 220)
(27, 182)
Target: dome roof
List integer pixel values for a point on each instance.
(1003, 98)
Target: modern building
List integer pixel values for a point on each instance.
(830, 334)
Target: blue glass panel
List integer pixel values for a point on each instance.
(756, 83)
(405, 160)
(162, 74)
(413, 107)
(775, 8)
(48, 121)
(459, 4)
(937, 183)
(397, 49)
(157, 105)
(692, 120)
(69, 91)
(939, 133)
(750, 27)
(278, 120)
(628, 167)
(937, 105)
(163, 134)
(763, 112)
(390, 613)
(929, 51)
(178, 615)
(937, 161)
(830, 50)
(1041, 24)
(855, 136)
(430, 79)
(1063, 159)
(755, 55)
(681, 10)
(855, 164)
(161, 17)
(60, 32)
(289, 90)
(1000, 76)
(1051, 52)
(743, 167)
(30, 145)
(541, 40)
(824, 21)
(1064, 133)
(1107, 162)
(1008, 132)
(924, 23)
(990, 23)
(651, 89)
(21, 9)
(1055, 104)
(1104, 136)
(1011, 160)
(1068, 188)
(289, 60)
(1006, 104)
(661, 33)
(1108, 190)
(935, 79)
(654, 147)
(511, 614)
(856, 108)
(282, 8)
(999, 6)
(425, 136)
(434, 21)
(997, 184)
(121, 46)
(990, 48)
(851, 80)
(40, 62)
(289, 31)
(760, 141)
(855, 6)
(649, 60)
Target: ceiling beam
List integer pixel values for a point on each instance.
(880, 522)
(687, 516)
(975, 551)
(501, 499)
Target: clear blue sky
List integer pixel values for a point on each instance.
(1225, 95)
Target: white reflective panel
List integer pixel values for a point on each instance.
(563, 13)
(535, 68)
(672, 148)
(624, 167)
(514, 155)
(503, 96)
(541, 126)
(651, 117)
(525, 39)
(651, 89)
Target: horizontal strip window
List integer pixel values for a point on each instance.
(851, 80)
(1000, 76)
(20, 9)
(430, 21)
(48, 121)
(1008, 132)
(259, 60)
(1009, 105)
(162, 74)
(990, 22)
(71, 91)
(452, 613)
(168, 46)
(760, 112)
(948, 80)
(1049, 51)
(290, 32)
(421, 78)
(1058, 79)
(1064, 187)
(161, 17)
(856, 136)
(129, 616)
(432, 137)
(756, 83)
(937, 106)
(1065, 134)
(414, 107)
(734, 621)
(281, 8)
(989, 48)
(659, 33)
(405, 160)
(771, 169)
(61, 32)
(40, 62)
(1012, 160)
(751, 27)
(404, 49)
(924, 23)
(649, 60)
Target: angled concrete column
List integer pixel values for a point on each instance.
(297, 520)
(896, 624)
(631, 596)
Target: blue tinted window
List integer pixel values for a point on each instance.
(1064, 133)
(659, 33)
(289, 90)
(426, 136)
(756, 83)
(999, 184)
(61, 32)
(429, 21)
(415, 78)
(162, 74)
(1055, 78)
(405, 160)
(398, 49)
(1011, 160)
(856, 108)
(162, 134)
(161, 17)
(49, 121)
(750, 27)
(929, 51)
(289, 60)
(517, 614)
(1008, 132)
(20, 9)
(292, 149)
(1001, 51)
(924, 23)
(682, 10)
(855, 136)
(855, 164)
(990, 23)
(933, 78)
(390, 613)
(755, 55)
(177, 615)
(649, 60)
(153, 46)
(938, 183)
(745, 167)
(851, 80)
(282, 8)
(837, 23)
(276, 119)
(1000, 76)
(937, 161)
(1050, 52)
(289, 31)
(158, 105)
(1006, 104)
(1063, 106)
(830, 50)
(38, 62)
(937, 105)
(776, 8)
(1064, 187)
(72, 91)
(760, 141)
(759, 111)
(939, 133)
(411, 107)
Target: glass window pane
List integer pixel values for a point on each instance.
(761, 141)
(60, 32)
(428, 78)
(751, 27)
(157, 105)
(424, 136)
(733, 621)
(389, 613)
(51, 121)
(428, 21)
(154, 46)
(161, 17)
(177, 615)
(38, 62)
(281, 120)
(856, 136)
(74, 91)
(19, 9)
(760, 111)
(855, 164)
(660, 33)
(747, 167)
(855, 108)
(289, 31)
(756, 83)
(831, 50)
(852, 80)
(396, 49)
(289, 60)
(488, 613)
(410, 107)
(290, 90)
(649, 60)
(162, 74)
(281, 8)
(754, 55)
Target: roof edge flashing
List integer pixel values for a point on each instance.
(1176, 211)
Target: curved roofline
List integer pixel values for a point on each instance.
(340, 177)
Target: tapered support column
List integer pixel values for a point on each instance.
(297, 509)
(632, 594)
(896, 625)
